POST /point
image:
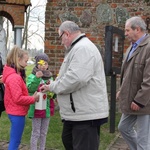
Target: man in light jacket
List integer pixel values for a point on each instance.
(81, 90)
(134, 94)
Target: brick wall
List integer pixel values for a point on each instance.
(94, 30)
(14, 12)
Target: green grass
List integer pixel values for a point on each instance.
(29, 69)
(55, 130)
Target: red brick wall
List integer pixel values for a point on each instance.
(15, 13)
(95, 32)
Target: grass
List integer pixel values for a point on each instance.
(55, 129)
(54, 132)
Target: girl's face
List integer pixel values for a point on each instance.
(43, 66)
(23, 61)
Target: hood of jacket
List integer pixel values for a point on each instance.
(8, 71)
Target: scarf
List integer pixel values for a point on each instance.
(46, 73)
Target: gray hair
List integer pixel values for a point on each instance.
(69, 26)
(137, 22)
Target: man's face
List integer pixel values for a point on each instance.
(64, 37)
(130, 33)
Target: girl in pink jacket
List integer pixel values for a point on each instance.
(16, 97)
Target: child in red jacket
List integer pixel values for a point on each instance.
(16, 98)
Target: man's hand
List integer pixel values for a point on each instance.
(117, 95)
(134, 106)
(44, 88)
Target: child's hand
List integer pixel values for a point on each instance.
(1, 81)
(48, 82)
(36, 97)
(44, 88)
(39, 74)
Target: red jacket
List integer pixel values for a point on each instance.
(16, 98)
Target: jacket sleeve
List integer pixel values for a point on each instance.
(32, 83)
(18, 91)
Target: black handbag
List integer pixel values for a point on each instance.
(2, 89)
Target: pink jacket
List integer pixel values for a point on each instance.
(16, 97)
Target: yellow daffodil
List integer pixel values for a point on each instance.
(41, 62)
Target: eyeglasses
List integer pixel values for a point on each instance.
(61, 35)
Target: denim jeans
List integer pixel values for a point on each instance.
(16, 131)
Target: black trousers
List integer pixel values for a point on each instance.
(2, 107)
(80, 136)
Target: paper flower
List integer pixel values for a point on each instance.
(44, 97)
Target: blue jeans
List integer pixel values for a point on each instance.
(16, 131)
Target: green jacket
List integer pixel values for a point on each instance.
(32, 85)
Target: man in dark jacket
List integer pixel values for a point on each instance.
(134, 94)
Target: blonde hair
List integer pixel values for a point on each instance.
(13, 57)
